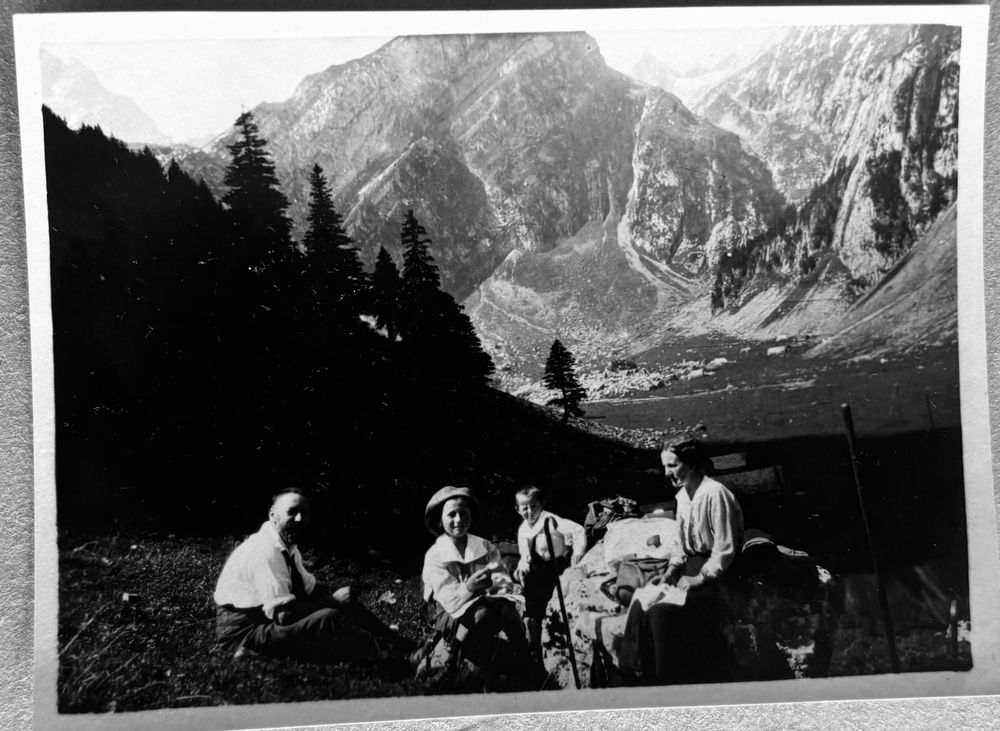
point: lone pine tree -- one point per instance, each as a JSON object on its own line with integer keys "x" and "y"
{"x": 560, "y": 376}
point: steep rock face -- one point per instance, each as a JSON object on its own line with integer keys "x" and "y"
{"x": 913, "y": 307}
{"x": 696, "y": 189}
{"x": 551, "y": 135}
{"x": 797, "y": 103}
{"x": 860, "y": 126}
{"x": 614, "y": 289}
{"x": 499, "y": 142}
{"x": 453, "y": 205}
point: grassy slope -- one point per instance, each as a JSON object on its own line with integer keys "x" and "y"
{"x": 159, "y": 651}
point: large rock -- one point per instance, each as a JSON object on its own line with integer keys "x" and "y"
{"x": 782, "y": 631}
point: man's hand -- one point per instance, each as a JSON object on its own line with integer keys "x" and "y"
{"x": 519, "y": 575}
{"x": 342, "y": 595}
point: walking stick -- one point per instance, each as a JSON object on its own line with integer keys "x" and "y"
{"x": 562, "y": 608}
{"x": 890, "y": 634}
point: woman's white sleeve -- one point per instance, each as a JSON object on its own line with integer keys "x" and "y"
{"x": 722, "y": 515}
{"x": 447, "y": 589}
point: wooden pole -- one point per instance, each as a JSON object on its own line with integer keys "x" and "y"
{"x": 562, "y": 608}
{"x": 953, "y": 618}
{"x": 895, "y": 398}
{"x": 890, "y": 634}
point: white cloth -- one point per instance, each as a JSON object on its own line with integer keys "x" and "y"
{"x": 709, "y": 523}
{"x": 651, "y": 594}
{"x": 445, "y": 571}
{"x": 629, "y": 536}
{"x": 565, "y": 534}
{"x": 256, "y": 574}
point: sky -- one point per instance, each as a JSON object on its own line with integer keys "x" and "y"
{"x": 195, "y": 89}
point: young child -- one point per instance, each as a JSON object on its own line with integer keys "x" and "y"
{"x": 460, "y": 571}
{"x": 538, "y": 569}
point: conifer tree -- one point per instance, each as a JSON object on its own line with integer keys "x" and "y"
{"x": 420, "y": 273}
{"x": 438, "y": 332}
{"x": 337, "y": 275}
{"x": 386, "y": 285}
{"x": 560, "y": 376}
{"x": 262, "y": 231}
{"x": 258, "y": 275}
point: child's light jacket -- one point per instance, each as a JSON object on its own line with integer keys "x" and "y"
{"x": 445, "y": 571}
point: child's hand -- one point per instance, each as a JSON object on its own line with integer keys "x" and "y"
{"x": 342, "y": 595}
{"x": 519, "y": 575}
{"x": 479, "y": 581}
{"x": 575, "y": 559}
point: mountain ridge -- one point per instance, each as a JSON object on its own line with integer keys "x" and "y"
{"x": 75, "y": 93}
{"x": 526, "y": 157}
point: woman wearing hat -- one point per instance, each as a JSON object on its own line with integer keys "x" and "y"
{"x": 460, "y": 571}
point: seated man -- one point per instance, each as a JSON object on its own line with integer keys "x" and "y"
{"x": 269, "y": 603}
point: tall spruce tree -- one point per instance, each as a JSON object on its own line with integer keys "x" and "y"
{"x": 261, "y": 230}
{"x": 437, "y": 332}
{"x": 420, "y": 273}
{"x": 259, "y": 275}
{"x": 385, "y": 292}
{"x": 335, "y": 269}
{"x": 560, "y": 375}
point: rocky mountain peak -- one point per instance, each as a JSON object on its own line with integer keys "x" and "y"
{"x": 565, "y": 199}
{"x": 74, "y": 92}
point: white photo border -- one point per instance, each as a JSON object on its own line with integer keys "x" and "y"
{"x": 31, "y": 31}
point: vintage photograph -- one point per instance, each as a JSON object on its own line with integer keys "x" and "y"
{"x": 444, "y": 363}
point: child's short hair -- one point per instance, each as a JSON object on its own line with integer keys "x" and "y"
{"x": 528, "y": 492}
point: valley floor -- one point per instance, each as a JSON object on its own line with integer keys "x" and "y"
{"x": 753, "y": 397}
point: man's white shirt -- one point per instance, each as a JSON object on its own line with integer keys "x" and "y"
{"x": 257, "y": 575}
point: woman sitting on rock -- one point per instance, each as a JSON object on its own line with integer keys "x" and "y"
{"x": 671, "y": 643}
{"x": 460, "y": 574}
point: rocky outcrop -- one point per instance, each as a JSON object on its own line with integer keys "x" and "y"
{"x": 912, "y": 308}
{"x": 613, "y": 289}
{"x": 858, "y": 124}
{"x": 696, "y": 190}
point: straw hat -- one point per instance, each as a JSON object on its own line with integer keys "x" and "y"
{"x": 432, "y": 513}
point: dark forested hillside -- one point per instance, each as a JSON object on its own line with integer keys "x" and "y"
{"x": 204, "y": 359}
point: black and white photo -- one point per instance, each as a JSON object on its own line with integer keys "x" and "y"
{"x": 517, "y": 361}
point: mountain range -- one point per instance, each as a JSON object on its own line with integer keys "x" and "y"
{"x": 77, "y": 94}
{"x": 566, "y": 199}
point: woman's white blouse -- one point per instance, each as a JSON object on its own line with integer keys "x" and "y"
{"x": 709, "y": 524}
